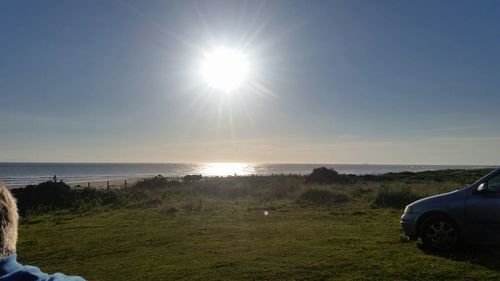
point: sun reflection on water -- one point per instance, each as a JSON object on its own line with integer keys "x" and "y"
{"x": 227, "y": 169}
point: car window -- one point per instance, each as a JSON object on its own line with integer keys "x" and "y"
{"x": 494, "y": 183}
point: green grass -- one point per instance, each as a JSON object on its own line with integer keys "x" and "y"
{"x": 220, "y": 233}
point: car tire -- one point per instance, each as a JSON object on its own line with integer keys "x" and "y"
{"x": 440, "y": 233}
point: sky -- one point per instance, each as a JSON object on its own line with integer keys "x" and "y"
{"x": 358, "y": 81}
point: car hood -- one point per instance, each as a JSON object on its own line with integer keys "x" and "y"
{"x": 441, "y": 200}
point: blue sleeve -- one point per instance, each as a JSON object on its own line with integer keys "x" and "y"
{"x": 32, "y": 273}
{"x": 62, "y": 277}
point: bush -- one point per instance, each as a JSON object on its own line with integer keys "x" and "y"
{"x": 358, "y": 192}
{"x": 394, "y": 198}
{"x": 326, "y": 176}
{"x": 171, "y": 211}
{"x": 156, "y": 182}
{"x": 193, "y": 206}
{"x": 321, "y": 197}
{"x": 192, "y": 178}
{"x": 51, "y": 194}
{"x": 89, "y": 198}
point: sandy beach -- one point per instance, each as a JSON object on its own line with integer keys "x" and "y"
{"x": 99, "y": 184}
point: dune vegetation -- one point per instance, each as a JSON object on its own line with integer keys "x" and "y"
{"x": 325, "y": 226}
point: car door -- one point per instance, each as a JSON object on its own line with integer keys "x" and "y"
{"x": 482, "y": 211}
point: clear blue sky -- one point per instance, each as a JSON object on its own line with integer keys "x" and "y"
{"x": 334, "y": 81}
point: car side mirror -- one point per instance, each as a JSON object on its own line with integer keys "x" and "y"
{"x": 483, "y": 187}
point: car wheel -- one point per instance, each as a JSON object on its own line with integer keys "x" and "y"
{"x": 440, "y": 233}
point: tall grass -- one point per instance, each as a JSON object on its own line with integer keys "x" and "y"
{"x": 395, "y": 198}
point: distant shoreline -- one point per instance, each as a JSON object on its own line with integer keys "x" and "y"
{"x": 17, "y": 174}
{"x": 99, "y": 184}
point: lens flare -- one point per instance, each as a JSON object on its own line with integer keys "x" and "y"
{"x": 225, "y": 69}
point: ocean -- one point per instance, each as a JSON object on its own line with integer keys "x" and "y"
{"x": 20, "y": 174}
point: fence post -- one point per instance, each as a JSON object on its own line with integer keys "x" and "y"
{"x": 88, "y": 184}
{"x": 107, "y": 185}
{"x": 125, "y": 184}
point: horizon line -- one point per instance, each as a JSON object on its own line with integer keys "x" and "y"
{"x": 239, "y": 162}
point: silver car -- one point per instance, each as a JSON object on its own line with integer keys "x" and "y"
{"x": 470, "y": 214}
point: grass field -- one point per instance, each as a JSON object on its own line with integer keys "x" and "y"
{"x": 216, "y": 230}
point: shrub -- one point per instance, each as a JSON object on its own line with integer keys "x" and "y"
{"x": 88, "y": 198}
{"x": 193, "y": 206}
{"x": 358, "y": 192}
{"x": 171, "y": 211}
{"x": 156, "y": 182}
{"x": 55, "y": 194}
{"x": 394, "y": 198}
{"x": 46, "y": 195}
{"x": 321, "y": 197}
{"x": 326, "y": 176}
{"x": 192, "y": 178}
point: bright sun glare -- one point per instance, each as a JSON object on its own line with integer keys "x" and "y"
{"x": 226, "y": 169}
{"x": 225, "y": 69}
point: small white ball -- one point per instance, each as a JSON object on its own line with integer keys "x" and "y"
{"x": 266, "y": 213}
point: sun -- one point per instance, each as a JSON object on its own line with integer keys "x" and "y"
{"x": 225, "y": 69}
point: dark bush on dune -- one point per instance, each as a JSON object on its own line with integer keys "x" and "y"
{"x": 192, "y": 178}
{"x": 53, "y": 194}
{"x": 326, "y": 176}
{"x": 321, "y": 197}
{"x": 50, "y": 194}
